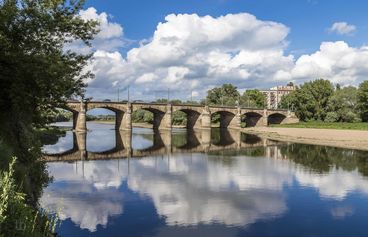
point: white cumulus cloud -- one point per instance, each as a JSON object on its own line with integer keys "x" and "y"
{"x": 191, "y": 52}
{"x": 188, "y": 52}
{"x": 336, "y": 61}
{"x": 342, "y": 28}
{"x": 109, "y": 37}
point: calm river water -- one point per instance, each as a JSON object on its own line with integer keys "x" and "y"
{"x": 216, "y": 183}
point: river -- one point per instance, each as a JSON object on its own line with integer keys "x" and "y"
{"x": 212, "y": 183}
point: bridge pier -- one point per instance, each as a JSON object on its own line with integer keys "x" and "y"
{"x": 125, "y": 118}
{"x": 205, "y": 139}
{"x": 81, "y": 137}
{"x": 263, "y": 121}
{"x": 206, "y": 118}
{"x": 81, "y": 120}
{"x": 290, "y": 118}
{"x": 165, "y": 122}
{"x": 235, "y": 123}
{"x": 166, "y": 138}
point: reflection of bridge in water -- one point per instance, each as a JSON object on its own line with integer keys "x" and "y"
{"x": 196, "y": 142}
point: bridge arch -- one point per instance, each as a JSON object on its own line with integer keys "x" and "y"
{"x": 276, "y": 118}
{"x": 225, "y": 117}
{"x": 158, "y": 115}
{"x": 72, "y": 110}
{"x": 104, "y": 114}
{"x": 119, "y": 110}
{"x": 192, "y": 117}
{"x": 251, "y": 119}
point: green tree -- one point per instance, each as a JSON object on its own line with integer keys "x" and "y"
{"x": 37, "y": 74}
{"x": 138, "y": 115}
{"x": 344, "y": 102}
{"x": 179, "y": 118}
{"x": 176, "y": 102}
{"x": 162, "y": 100}
{"x": 253, "y": 98}
{"x": 226, "y": 95}
{"x": 363, "y": 100}
{"x": 148, "y": 117}
{"x": 310, "y": 101}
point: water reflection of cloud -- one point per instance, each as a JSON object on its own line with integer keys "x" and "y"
{"x": 87, "y": 196}
{"x": 63, "y": 144}
{"x": 342, "y": 212}
{"x": 189, "y": 189}
{"x": 336, "y": 184}
{"x": 190, "y": 192}
{"x": 100, "y": 140}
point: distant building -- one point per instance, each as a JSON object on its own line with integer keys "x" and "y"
{"x": 274, "y": 95}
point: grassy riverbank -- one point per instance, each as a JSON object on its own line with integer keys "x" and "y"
{"x": 325, "y": 125}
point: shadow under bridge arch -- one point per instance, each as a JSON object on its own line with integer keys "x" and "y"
{"x": 223, "y": 118}
{"x": 252, "y": 119}
{"x": 156, "y": 116}
{"x": 276, "y": 118}
{"x": 186, "y": 116}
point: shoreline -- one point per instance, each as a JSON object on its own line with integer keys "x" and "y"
{"x": 349, "y": 139}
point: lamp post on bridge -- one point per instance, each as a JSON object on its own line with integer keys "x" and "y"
{"x": 128, "y": 94}
{"x": 118, "y": 93}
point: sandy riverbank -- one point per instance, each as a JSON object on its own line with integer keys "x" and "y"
{"x": 353, "y": 139}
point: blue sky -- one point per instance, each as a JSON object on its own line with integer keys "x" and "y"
{"x": 308, "y": 19}
{"x": 304, "y": 36}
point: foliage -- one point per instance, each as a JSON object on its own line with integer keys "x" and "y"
{"x": 310, "y": 100}
{"x": 331, "y": 117}
{"x": 50, "y": 135}
{"x": 253, "y": 99}
{"x": 100, "y": 117}
{"x": 148, "y": 117}
{"x": 17, "y": 218}
{"x": 179, "y": 118}
{"x": 363, "y": 100}
{"x": 344, "y": 104}
{"x": 163, "y": 101}
{"x": 215, "y": 118}
{"x": 58, "y": 115}
{"x": 138, "y": 115}
{"x": 225, "y": 95}
{"x": 142, "y": 116}
{"x": 37, "y": 74}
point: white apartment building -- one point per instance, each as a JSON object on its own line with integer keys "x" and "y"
{"x": 274, "y": 95}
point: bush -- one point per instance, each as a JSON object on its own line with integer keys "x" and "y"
{"x": 331, "y": 117}
{"x": 17, "y": 218}
{"x": 351, "y": 117}
{"x": 148, "y": 117}
{"x": 179, "y": 118}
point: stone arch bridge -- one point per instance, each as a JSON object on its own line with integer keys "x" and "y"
{"x": 198, "y": 116}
